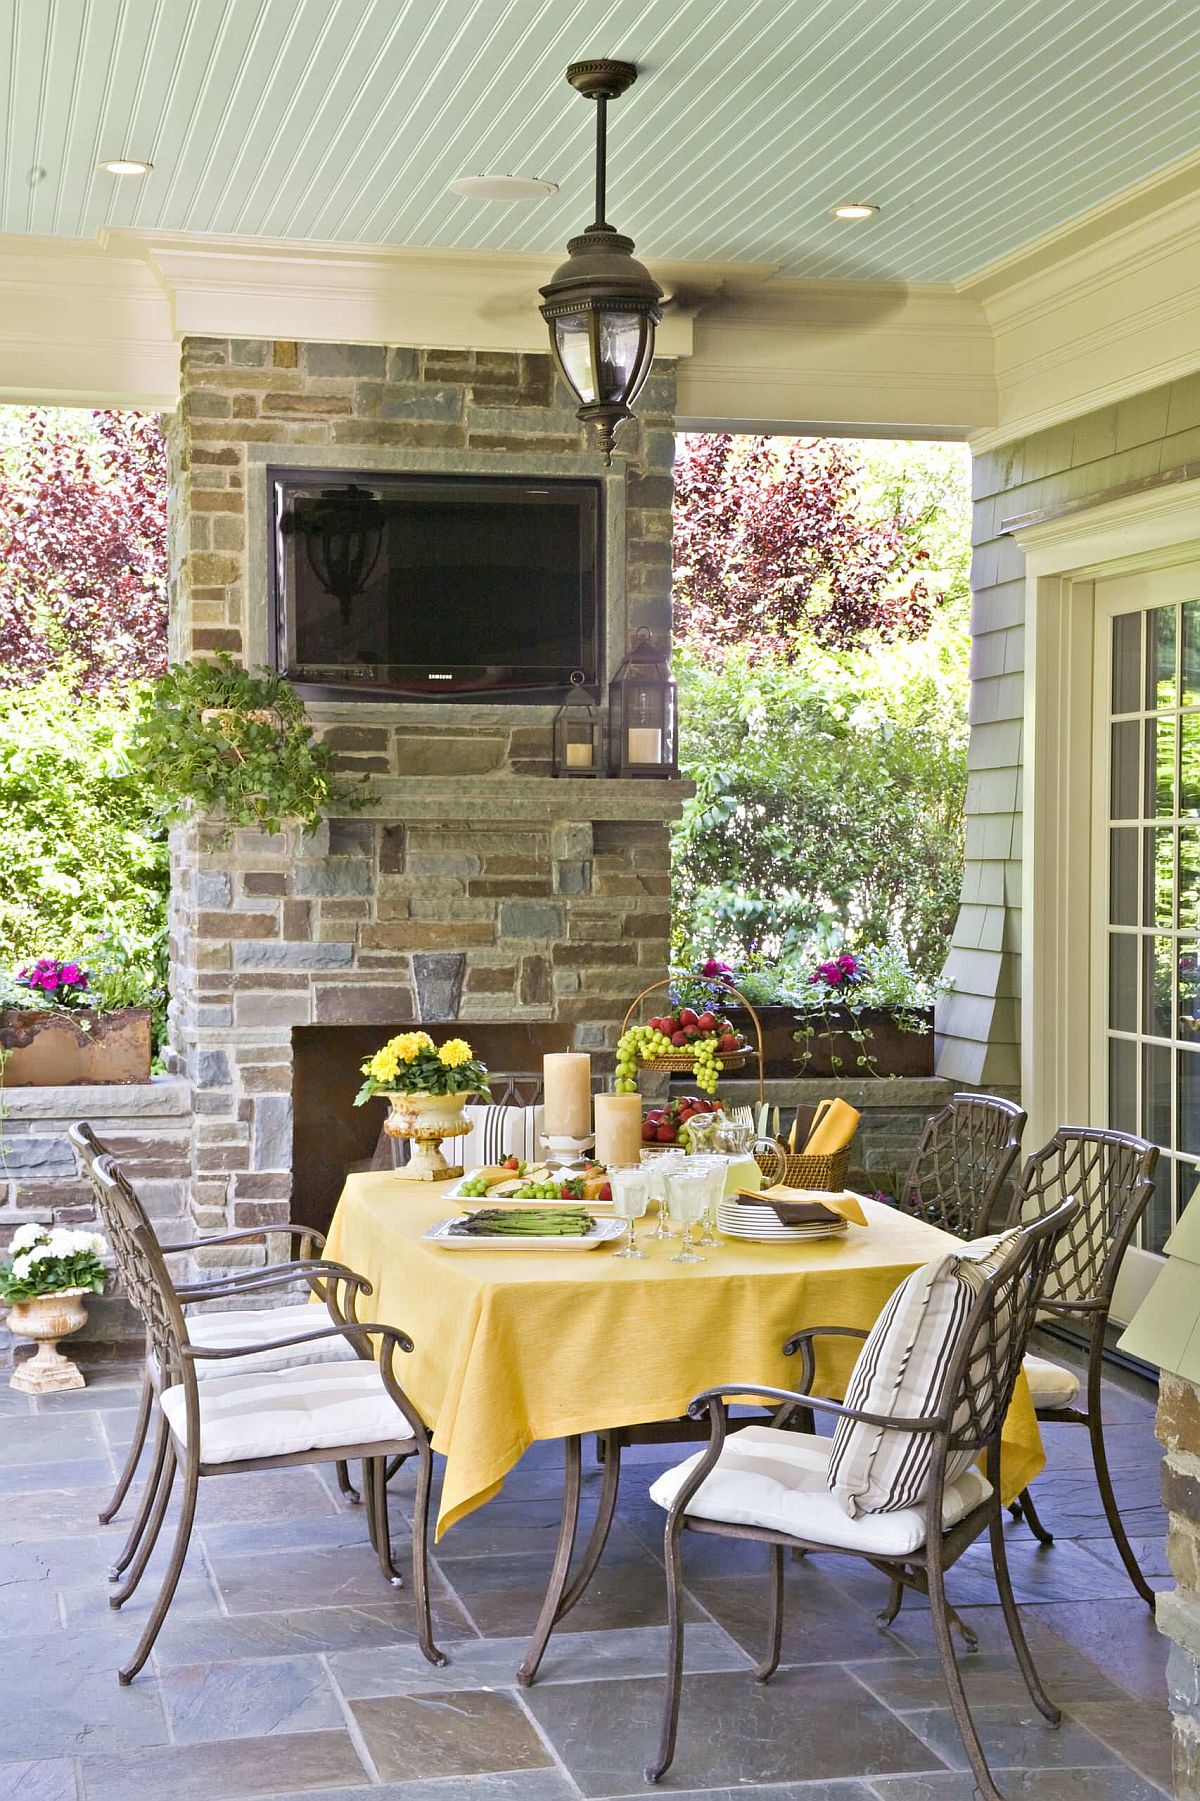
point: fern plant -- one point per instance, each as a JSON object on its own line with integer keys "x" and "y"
{"x": 216, "y": 739}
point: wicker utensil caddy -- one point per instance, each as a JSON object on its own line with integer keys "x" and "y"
{"x": 827, "y": 1173}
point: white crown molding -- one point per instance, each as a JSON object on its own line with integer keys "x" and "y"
{"x": 1104, "y": 308}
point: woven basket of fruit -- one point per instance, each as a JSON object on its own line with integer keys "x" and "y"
{"x": 685, "y": 1042}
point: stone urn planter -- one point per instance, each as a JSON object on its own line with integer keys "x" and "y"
{"x": 425, "y": 1120}
{"x": 63, "y": 1048}
{"x": 831, "y": 1051}
{"x": 47, "y": 1318}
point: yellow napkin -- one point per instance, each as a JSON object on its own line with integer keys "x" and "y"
{"x": 836, "y": 1125}
{"x": 845, "y": 1205}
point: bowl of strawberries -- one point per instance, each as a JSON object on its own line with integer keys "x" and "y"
{"x": 664, "y": 1126}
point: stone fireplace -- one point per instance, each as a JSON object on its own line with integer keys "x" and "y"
{"x": 481, "y": 890}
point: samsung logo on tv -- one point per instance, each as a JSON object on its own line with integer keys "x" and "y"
{"x": 433, "y": 676}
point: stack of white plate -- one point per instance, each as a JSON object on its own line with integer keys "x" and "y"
{"x": 763, "y": 1226}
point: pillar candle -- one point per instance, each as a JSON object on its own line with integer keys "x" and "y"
{"x": 567, "y": 1087}
{"x": 618, "y": 1128}
{"x": 579, "y": 756}
{"x": 645, "y": 744}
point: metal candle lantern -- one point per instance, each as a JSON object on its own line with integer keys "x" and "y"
{"x": 578, "y": 738}
{"x": 644, "y": 712}
{"x": 602, "y": 305}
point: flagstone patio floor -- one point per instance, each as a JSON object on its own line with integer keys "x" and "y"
{"x": 286, "y": 1668}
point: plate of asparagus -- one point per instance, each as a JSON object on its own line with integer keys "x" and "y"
{"x": 541, "y": 1228}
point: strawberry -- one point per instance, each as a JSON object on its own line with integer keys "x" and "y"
{"x": 707, "y": 1022}
{"x": 605, "y": 1193}
{"x": 727, "y": 1042}
{"x": 679, "y": 1040}
{"x": 687, "y": 1017}
{"x": 511, "y": 1163}
{"x": 665, "y": 1134}
{"x": 649, "y": 1131}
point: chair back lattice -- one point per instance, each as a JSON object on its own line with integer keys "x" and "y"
{"x": 89, "y": 1149}
{"x": 983, "y": 1373}
{"x": 962, "y": 1161}
{"x": 1112, "y": 1176}
{"x": 144, "y": 1270}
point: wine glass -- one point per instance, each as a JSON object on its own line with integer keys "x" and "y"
{"x": 630, "y": 1195}
{"x": 716, "y": 1171}
{"x": 656, "y": 1165}
{"x": 687, "y": 1193}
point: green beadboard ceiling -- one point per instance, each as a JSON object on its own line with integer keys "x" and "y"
{"x": 976, "y": 125}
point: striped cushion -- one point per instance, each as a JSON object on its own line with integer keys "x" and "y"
{"x": 323, "y": 1406}
{"x": 257, "y": 1325}
{"x": 500, "y": 1132}
{"x": 899, "y": 1372}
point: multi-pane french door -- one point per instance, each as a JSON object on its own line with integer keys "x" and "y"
{"x": 1146, "y": 876}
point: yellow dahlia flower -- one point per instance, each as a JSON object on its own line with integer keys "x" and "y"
{"x": 409, "y": 1045}
{"x": 455, "y": 1052}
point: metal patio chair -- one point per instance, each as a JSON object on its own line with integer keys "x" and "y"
{"x": 236, "y": 1326}
{"x": 961, "y": 1163}
{"x": 968, "y": 1416}
{"x": 1112, "y": 1176}
{"x": 314, "y": 1413}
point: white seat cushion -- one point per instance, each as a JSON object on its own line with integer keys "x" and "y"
{"x": 1049, "y": 1383}
{"x": 320, "y": 1406}
{"x": 780, "y": 1481}
{"x": 260, "y": 1325}
{"x": 899, "y": 1374}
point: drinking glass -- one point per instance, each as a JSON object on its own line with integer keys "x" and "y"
{"x": 716, "y": 1171}
{"x": 631, "y": 1193}
{"x": 656, "y": 1165}
{"x": 687, "y": 1193}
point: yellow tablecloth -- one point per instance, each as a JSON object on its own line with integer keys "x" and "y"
{"x": 513, "y": 1346}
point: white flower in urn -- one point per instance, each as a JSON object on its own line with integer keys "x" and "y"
{"x": 51, "y": 1261}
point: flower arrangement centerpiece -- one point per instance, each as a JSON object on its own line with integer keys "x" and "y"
{"x": 427, "y": 1086}
{"x": 43, "y": 1281}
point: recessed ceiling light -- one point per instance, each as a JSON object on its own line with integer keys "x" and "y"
{"x": 127, "y": 165}
{"x": 502, "y": 187}
{"x": 855, "y": 209}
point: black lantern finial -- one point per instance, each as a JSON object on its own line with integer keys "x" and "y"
{"x": 602, "y": 305}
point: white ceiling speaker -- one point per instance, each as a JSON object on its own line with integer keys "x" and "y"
{"x": 502, "y": 187}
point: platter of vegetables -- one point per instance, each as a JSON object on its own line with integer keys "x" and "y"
{"x": 514, "y": 1180}
{"x": 562, "y": 1228}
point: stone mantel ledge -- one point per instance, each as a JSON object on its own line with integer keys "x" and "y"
{"x": 162, "y": 1097}
{"x": 486, "y": 799}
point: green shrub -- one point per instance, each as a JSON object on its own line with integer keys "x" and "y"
{"x": 83, "y": 856}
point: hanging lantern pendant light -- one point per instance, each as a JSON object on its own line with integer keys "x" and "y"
{"x": 602, "y": 305}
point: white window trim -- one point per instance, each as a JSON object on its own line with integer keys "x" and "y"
{"x": 1063, "y": 559}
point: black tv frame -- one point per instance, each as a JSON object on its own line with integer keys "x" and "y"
{"x": 524, "y": 688}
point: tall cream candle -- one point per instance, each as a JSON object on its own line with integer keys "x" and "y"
{"x": 618, "y": 1128}
{"x": 567, "y": 1094}
{"x": 645, "y": 744}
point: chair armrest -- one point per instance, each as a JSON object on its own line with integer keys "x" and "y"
{"x": 277, "y": 1275}
{"x": 802, "y": 1342}
{"x": 316, "y": 1239}
{"x": 714, "y": 1398}
{"x": 1095, "y": 1304}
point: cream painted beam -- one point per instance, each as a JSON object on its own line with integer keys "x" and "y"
{"x": 854, "y": 356}
{"x": 83, "y": 326}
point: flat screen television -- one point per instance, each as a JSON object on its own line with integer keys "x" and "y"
{"x": 441, "y": 587}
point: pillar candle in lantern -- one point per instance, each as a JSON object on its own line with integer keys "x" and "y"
{"x": 618, "y": 1128}
{"x": 567, "y": 1085}
{"x": 645, "y": 744}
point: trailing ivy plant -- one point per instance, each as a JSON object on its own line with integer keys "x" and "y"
{"x": 214, "y": 738}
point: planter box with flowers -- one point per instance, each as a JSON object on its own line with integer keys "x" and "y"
{"x": 43, "y": 1282}
{"x": 62, "y": 1024}
{"x": 849, "y": 1013}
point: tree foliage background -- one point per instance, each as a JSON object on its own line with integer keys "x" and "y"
{"x": 83, "y": 616}
{"x": 822, "y": 621}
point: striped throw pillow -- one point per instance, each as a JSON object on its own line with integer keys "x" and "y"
{"x": 503, "y": 1131}
{"x": 899, "y": 1372}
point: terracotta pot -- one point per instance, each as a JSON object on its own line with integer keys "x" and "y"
{"x": 62, "y": 1048}
{"x": 46, "y": 1319}
{"x": 891, "y": 1052}
{"x": 425, "y": 1119}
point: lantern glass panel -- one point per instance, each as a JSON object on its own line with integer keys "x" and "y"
{"x": 573, "y": 340}
{"x": 620, "y": 343}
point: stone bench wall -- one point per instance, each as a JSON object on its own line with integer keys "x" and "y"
{"x": 148, "y": 1126}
